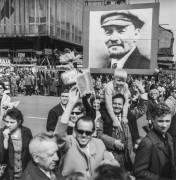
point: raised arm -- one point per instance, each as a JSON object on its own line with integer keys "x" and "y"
{"x": 61, "y": 127}
{"x": 141, "y": 108}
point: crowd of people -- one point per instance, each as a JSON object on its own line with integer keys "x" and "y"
{"x": 95, "y": 136}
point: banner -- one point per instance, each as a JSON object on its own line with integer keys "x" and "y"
{"x": 84, "y": 83}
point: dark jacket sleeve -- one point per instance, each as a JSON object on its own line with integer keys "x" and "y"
{"x": 90, "y": 111}
{"x": 141, "y": 108}
{"x": 133, "y": 115}
{"x": 51, "y": 121}
{"x": 3, "y": 151}
{"x": 53, "y": 117}
{"x": 28, "y": 158}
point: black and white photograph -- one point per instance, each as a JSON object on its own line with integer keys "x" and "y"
{"x": 87, "y": 90}
{"x": 120, "y": 38}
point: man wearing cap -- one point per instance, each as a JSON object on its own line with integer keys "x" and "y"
{"x": 56, "y": 112}
{"x": 122, "y": 30}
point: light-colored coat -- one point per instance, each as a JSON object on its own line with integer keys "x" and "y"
{"x": 77, "y": 159}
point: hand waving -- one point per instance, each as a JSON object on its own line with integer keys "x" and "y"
{"x": 74, "y": 95}
{"x": 140, "y": 86}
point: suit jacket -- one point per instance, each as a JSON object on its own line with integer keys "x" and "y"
{"x": 7, "y": 156}
{"x": 135, "y": 61}
{"x": 33, "y": 172}
{"x": 153, "y": 159}
{"x": 75, "y": 158}
{"x": 53, "y": 116}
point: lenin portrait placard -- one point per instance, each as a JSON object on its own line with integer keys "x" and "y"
{"x": 121, "y": 37}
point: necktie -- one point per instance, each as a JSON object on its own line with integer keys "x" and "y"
{"x": 114, "y": 65}
{"x": 53, "y": 176}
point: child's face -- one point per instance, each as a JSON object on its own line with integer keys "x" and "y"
{"x": 119, "y": 82}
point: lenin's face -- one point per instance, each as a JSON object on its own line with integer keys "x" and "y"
{"x": 120, "y": 39}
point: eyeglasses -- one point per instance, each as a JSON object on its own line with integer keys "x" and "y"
{"x": 77, "y": 113}
{"x": 87, "y": 133}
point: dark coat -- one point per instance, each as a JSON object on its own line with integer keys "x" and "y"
{"x": 7, "y": 156}
{"x": 53, "y": 116}
{"x": 152, "y": 158}
{"x": 135, "y": 61}
{"x": 33, "y": 172}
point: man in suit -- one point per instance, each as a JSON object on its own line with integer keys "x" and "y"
{"x": 44, "y": 152}
{"x": 81, "y": 152}
{"x": 57, "y": 111}
{"x": 122, "y": 31}
{"x": 155, "y": 156}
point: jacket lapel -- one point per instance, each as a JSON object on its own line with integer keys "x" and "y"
{"x": 92, "y": 149}
{"x": 157, "y": 142}
{"x": 89, "y": 156}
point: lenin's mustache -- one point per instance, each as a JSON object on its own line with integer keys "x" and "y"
{"x": 113, "y": 43}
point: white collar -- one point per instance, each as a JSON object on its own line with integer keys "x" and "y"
{"x": 121, "y": 62}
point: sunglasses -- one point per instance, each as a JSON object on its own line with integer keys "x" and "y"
{"x": 77, "y": 113}
{"x": 87, "y": 133}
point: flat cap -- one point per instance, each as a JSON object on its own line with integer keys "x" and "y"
{"x": 120, "y": 18}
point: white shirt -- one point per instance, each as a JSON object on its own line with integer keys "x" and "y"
{"x": 120, "y": 63}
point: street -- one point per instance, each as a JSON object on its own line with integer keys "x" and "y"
{"x": 35, "y": 109}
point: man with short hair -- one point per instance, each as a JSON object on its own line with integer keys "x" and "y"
{"x": 122, "y": 31}
{"x": 44, "y": 151}
{"x": 57, "y": 111}
{"x": 81, "y": 152}
{"x": 155, "y": 156}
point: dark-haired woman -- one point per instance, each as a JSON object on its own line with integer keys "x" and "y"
{"x": 14, "y": 141}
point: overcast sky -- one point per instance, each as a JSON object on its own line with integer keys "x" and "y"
{"x": 167, "y": 16}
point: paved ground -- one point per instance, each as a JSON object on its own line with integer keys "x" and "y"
{"x": 35, "y": 110}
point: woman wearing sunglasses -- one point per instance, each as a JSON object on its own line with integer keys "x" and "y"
{"x": 77, "y": 112}
{"x": 14, "y": 141}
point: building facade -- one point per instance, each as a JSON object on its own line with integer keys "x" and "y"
{"x": 38, "y": 24}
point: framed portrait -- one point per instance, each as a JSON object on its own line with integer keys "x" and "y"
{"x": 121, "y": 36}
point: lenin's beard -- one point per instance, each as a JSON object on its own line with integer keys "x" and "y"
{"x": 116, "y": 50}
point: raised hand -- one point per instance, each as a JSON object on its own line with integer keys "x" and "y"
{"x": 73, "y": 95}
{"x": 140, "y": 86}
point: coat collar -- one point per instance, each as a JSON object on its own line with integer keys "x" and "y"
{"x": 24, "y": 134}
{"x": 92, "y": 147}
{"x": 157, "y": 141}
